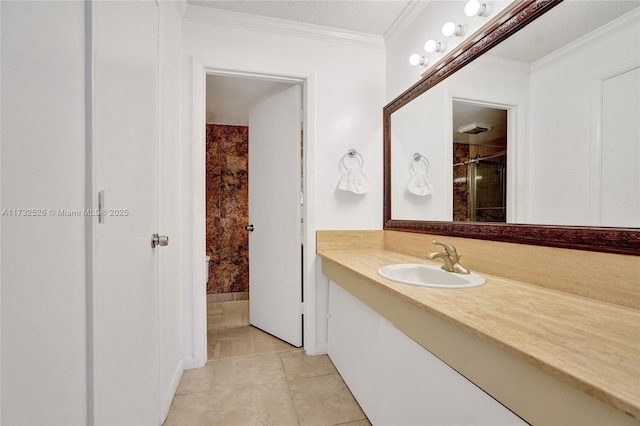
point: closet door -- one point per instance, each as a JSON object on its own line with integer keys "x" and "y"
{"x": 125, "y": 358}
{"x": 620, "y": 150}
{"x": 275, "y": 262}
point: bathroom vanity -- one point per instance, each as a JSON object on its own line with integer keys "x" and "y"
{"x": 495, "y": 354}
{"x": 398, "y": 382}
{"x": 553, "y": 335}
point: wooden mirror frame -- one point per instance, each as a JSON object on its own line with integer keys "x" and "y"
{"x": 611, "y": 240}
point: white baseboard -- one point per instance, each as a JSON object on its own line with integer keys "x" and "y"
{"x": 190, "y": 362}
{"x": 318, "y": 349}
{"x": 173, "y": 387}
{"x": 227, "y": 297}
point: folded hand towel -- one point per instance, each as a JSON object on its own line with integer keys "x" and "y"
{"x": 354, "y": 180}
{"x": 419, "y": 184}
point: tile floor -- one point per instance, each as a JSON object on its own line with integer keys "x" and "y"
{"x": 253, "y": 378}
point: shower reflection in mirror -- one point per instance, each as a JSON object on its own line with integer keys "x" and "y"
{"x": 479, "y": 163}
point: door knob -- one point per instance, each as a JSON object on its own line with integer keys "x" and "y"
{"x": 249, "y": 228}
{"x": 159, "y": 240}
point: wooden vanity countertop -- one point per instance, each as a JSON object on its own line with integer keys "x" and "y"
{"x": 592, "y": 345}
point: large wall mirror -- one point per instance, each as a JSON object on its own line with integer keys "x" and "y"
{"x": 528, "y": 132}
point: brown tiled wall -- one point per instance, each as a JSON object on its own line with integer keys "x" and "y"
{"x": 227, "y": 193}
{"x": 460, "y": 186}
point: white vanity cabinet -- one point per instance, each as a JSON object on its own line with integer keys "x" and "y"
{"x": 395, "y": 380}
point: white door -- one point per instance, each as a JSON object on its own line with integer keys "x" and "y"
{"x": 620, "y": 150}
{"x": 125, "y": 360}
{"x": 275, "y": 263}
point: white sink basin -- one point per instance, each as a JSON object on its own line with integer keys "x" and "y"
{"x": 429, "y": 276}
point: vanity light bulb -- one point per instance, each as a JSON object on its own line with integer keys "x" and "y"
{"x": 472, "y": 7}
{"x": 475, "y": 8}
{"x": 450, "y": 28}
{"x": 430, "y": 46}
{"x": 416, "y": 59}
{"x": 433, "y": 46}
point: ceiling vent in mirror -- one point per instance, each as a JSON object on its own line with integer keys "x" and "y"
{"x": 474, "y": 128}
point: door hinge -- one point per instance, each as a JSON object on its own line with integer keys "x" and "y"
{"x": 302, "y": 308}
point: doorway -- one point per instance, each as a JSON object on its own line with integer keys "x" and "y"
{"x": 227, "y": 211}
{"x": 230, "y": 104}
{"x": 479, "y": 162}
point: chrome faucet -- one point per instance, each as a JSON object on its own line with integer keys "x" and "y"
{"x": 451, "y": 258}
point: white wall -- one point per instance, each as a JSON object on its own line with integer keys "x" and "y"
{"x": 490, "y": 81}
{"x": 432, "y": 139}
{"x": 44, "y": 326}
{"x": 417, "y": 128}
{"x": 345, "y": 96}
{"x": 566, "y": 123}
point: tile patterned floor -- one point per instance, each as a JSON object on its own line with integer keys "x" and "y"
{"x": 253, "y": 378}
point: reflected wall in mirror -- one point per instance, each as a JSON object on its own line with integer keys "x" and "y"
{"x": 570, "y": 100}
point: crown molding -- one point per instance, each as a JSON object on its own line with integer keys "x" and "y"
{"x": 608, "y": 30}
{"x": 182, "y": 7}
{"x": 405, "y": 19}
{"x": 227, "y": 18}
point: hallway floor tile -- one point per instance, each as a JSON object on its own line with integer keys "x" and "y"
{"x": 253, "y": 378}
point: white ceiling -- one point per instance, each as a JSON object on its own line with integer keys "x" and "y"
{"x": 565, "y": 23}
{"x": 545, "y": 35}
{"x": 568, "y": 21}
{"x": 466, "y": 113}
{"x": 372, "y": 17}
{"x": 228, "y": 99}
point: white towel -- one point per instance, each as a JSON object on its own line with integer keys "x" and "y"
{"x": 419, "y": 183}
{"x": 354, "y": 180}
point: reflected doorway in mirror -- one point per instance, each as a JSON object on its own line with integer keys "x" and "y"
{"x": 479, "y": 162}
